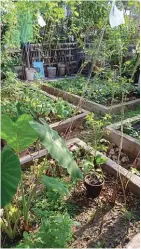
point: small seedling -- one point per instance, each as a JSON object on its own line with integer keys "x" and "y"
{"x": 100, "y": 244}
{"x": 128, "y": 215}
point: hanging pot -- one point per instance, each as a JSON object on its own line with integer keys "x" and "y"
{"x": 93, "y": 185}
{"x": 30, "y": 74}
{"x": 51, "y": 71}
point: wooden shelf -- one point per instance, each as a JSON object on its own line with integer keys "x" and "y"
{"x": 59, "y": 53}
{"x": 52, "y": 63}
{"x": 59, "y": 43}
{"x": 69, "y": 62}
{"x": 57, "y": 49}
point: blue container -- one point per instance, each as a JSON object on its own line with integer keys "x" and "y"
{"x": 38, "y": 66}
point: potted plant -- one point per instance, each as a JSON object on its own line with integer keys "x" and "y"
{"x": 94, "y": 177}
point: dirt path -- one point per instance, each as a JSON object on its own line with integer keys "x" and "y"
{"x": 104, "y": 225}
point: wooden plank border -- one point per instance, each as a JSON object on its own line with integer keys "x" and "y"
{"x": 87, "y": 104}
{"x": 133, "y": 181}
{"x": 73, "y": 122}
{"x": 130, "y": 145}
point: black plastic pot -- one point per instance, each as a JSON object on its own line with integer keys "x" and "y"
{"x": 93, "y": 190}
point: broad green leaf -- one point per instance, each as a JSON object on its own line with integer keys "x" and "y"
{"x": 54, "y": 185}
{"x": 100, "y": 159}
{"x": 10, "y": 175}
{"x": 19, "y": 135}
{"x": 57, "y": 148}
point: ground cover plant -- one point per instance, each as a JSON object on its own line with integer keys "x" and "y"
{"x": 21, "y": 99}
{"x": 99, "y": 90}
{"x": 132, "y": 129}
{"x": 127, "y": 114}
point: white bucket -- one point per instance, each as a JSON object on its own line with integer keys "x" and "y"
{"x": 30, "y": 74}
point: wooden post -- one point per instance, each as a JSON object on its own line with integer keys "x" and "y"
{"x": 139, "y": 82}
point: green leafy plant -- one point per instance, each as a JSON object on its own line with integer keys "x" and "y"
{"x": 10, "y": 223}
{"x": 135, "y": 171}
{"x": 25, "y": 100}
{"x": 100, "y": 244}
{"x": 91, "y": 166}
{"x": 18, "y": 135}
{"x": 55, "y": 232}
{"x": 132, "y": 130}
{"x": 97, "y": 126}
{"x": 100, "y": 91}
{"x": 54, "y": 185}
{"x": 128, "y": 215}
{"x": 56, "y": 147}
{"x": 19, "y": 138}
{"x": 11, "y": 175}
{"x": 128, "y": 114}
{"x": 98, "y": 159}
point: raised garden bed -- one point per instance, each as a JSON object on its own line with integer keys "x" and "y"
{"x": 127, "y": 161}
{"x": 98, "y": 218}
{"x": 88, "y": 104}
{"x": 114, "y": 168}
{"x": 111, "y": 150}
{"x": 61, "y": 115}
{"x": 130, "y": 144}
{"x": 110, "y": 166}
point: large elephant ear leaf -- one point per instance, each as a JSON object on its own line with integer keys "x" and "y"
{"x": 19, "y": 135}
{"x": 10, "y": 175}
{"x": 57, "y": 148}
